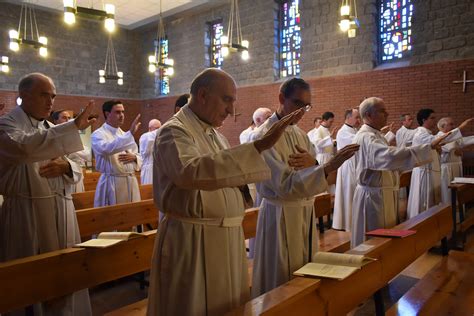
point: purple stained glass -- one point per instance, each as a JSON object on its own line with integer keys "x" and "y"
{"x": 290, "y": 38}
{"x": 395, "y": 28}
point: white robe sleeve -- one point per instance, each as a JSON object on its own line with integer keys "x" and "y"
{"x": 288, "y": 183}
{"x": 467, "y": 141}
{"x": 76, "y": 172}
{"x": 120, "y": 143}
{"x": 389, "y": 136}
{"x": 21, "y": 147}
{"x": 180, "y": 158}
{"x": 383, "y": 157}
{"x": 325, "y": 142}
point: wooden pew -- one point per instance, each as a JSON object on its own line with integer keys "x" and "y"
{"x": 446, "y": 290}
{"x": 91, "y": 179}
{"x": 86, "y": 199}
{"x": 308, "y": 296}
{"x": 38, "y": 278}
{"x": 461, "y": 194}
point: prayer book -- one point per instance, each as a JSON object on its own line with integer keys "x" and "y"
{"x": 394, "y": 233}
{"x": 333, "y": 265}
{"x": 463, "y": 180}
{"x": 108, "y": 239}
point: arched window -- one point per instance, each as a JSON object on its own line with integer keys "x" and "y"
{"x": 395, "y": 39}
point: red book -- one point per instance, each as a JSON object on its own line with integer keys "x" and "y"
{"x": 385, "y": 232}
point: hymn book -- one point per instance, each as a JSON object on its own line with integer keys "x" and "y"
{"x": 333, "y": 265}
{"x": 108, "y": 239}
{"x": 463, "y": 180}
{"x": 388, "y": 232}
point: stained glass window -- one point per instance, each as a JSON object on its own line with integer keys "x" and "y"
{"x": 216, "y": 31}
{"x": 164, "y": 80}
{"x": 395, "y": 28}
{"x": 290, "y": 38}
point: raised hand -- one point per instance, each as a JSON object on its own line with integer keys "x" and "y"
{"x": 387, "y": 128}
{"x": 135, "y": 125}
{"x": 86, "y": 118}
{"x": 437, "y": 143}
{"x": 302, "y": 159}
{"x": 277, "y": 129}
{"x": 340, "y": 157}
{"x": 333, "y": 132}
{"x": 465, "y": 123}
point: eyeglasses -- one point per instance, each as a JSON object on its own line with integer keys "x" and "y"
{"x": 301, "y": 104}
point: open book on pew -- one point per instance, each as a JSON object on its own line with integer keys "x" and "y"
{"x": 391, "y": 233}
{"x": 333, "y": 265}
{"x": 108, "y": 239}
{"x": 463, "y": 180}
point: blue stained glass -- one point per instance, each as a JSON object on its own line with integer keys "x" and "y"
{"x": 290, "y": 38}
{"x": 395, "y": 22}
{"x": 217, "y": 31}
{"x": 164, "y": 79}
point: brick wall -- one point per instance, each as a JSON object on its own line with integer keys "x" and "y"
{"x": 405, "y": 90}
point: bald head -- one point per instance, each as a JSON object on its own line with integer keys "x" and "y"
{"x": 260, "y": 115}
{"x": 446, "y": 124}
{"x": 213, "y": 93}
{"x": 37, "y": 92}
{"x": 154, "y": 124}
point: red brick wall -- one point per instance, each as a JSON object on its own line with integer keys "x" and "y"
{"x": 405, "y": 90}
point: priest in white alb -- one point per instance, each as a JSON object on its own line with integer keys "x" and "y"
{"x": 451, "y": 157}
{"x": 147, "y": 144}
{"x": 36, "y": 180}
{"x": 346, "y": 181}
{"x": 116, "y": 157}
{"x": 286, "y": 230}
{"x": 199, "y": 263}
{"x": 405, "y": 133}
{"x": 425, "y": 185}
{"x": 377, "y": 168}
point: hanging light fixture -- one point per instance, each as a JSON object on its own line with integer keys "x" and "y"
{"x": 4, "y": 65}
{"x": 28, "y": 32}
{"x": 227, "y": 43}
{"x": 110, "y": 71}
{"x": 349, "y": 22}
{"x": 158, "y": 60}
{"x": 108, "y": 14}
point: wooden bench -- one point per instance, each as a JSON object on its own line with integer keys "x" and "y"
{"x": 308, "y": 296}
{"x": 86, "y": 199}
{"x": 461, "y": 194}
{"x": 446, "y": 290}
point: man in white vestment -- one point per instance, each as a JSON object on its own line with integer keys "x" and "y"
{"x": 244, "y": 137}
{"x": 286, "y": 230}
{"x": 405, "y": 133}
{"x": 451, "y": 157}
{"x": 316, "y": 124}
{"x": 323, "y": 138}
{"x": 116, "y": 158}
{"x": 36, "y": 180}
{"x": 425, "y": 185}
{"x": 147, "y": 144}
{"x": 80, "y": 157}
{"x": 346, "y": 181}
{"x": 199, "y": 264}
{"x": 377, "y": 172}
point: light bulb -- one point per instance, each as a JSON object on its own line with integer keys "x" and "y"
{"x": 4, "y": 59}
{"x": 69, "y": 18}
{"x": 225, "y": 51}
{"x": 224, "y": 40}
{"x": 120, "y": 81}
{"x": 101, "y": 80}
{"x": 43, "y": 51}
{"x": 102, "y": 73}
{"x": 245, "y": 43}
{"x": 151, "y": 68}
{"x": 345, "y": 10}
{"x": 169, "y": 61}
{"x": 109, "y": 25}
{"x": 351, "y": 33}
{"x": 119, "y": 74}
{"x": 169, "y": 71}
{"x": 152, "y": 59}
{"x": 68, "y": 3}
{"x": 13, "y": 34}
{"x": 245, "y": 55}
{"x": 344, "y": 25}
{"x": 14, "y": 46}
{"x": 43, "y": 40}
{"x": 5, "y": 68}
{"x": 109, "y": 8}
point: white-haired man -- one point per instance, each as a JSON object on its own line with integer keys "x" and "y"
{"x": 451, "y": 157}
{"x": 199, "y": 265}
{"x": 36, "y": 180}
{"x": 376, "y": 170}
{"x": 346, "y": 182}
{"x": 147, "y": 144}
